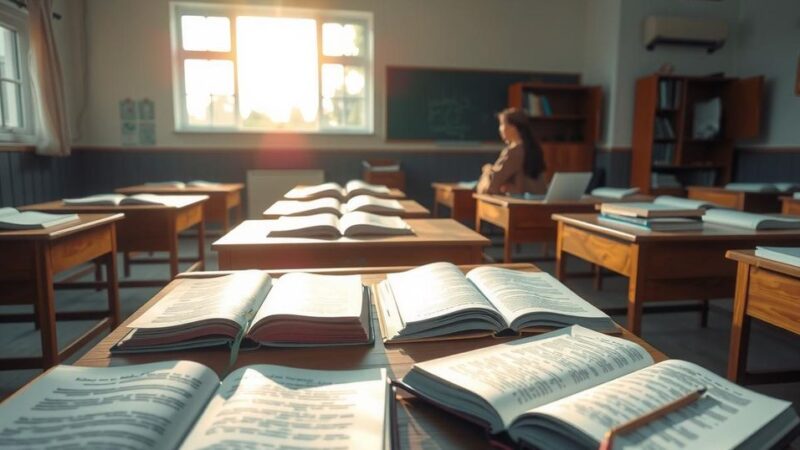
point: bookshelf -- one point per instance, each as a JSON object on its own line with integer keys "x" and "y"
{"x": 566, "y": 120}
{"x": 670, "y": 148}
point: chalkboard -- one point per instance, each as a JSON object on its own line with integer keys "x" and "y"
{"x": 451, "y": 104}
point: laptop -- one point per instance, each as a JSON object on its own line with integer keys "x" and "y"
{"x": 565, "y": 186}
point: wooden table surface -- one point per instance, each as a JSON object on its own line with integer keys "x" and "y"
{"x": 420, "y": 425}
{"x": 248, "y": 246}
{"x": 411, "y": 210}
{"x": 456, "y": 197}
{"x": 791, "y": 206}
{"x": 756, "y": 202}
{"x": 661, "y": 266}
{"x": 205, "y": 190}
{"x": 173, "y": 202}
{"x": 84, "y": 222}
{"x": 769, "y": 291}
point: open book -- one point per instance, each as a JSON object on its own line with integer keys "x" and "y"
{"x": 11, "y": 219}
{"x": 299, "y": 309}
{"x": 763, "y": 187}
{"x": 438, "y": 301}
{"x": 567, "y": 388}
{"x": 750, "y": 221}
{"x": 183, "y": 404}
{"x": 350, "y": 190}
{"x": 329, "y": 226}
{"x": 181, "y": 184}
{"x": 115, "y": 200}
{"x": 329, "y": 205}
{"x": 785, "y": 255}
{"x": 615, "y": 193}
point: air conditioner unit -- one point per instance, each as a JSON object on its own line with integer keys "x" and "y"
{"x": 710, "y": 34}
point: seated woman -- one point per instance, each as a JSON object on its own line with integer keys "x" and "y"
{"x": 520, "y": 167}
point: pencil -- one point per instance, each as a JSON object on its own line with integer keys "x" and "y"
{"x": 691, "y": 397}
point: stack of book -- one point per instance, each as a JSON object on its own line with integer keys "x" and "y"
{"x": 669, "y": 94}
{"x": 665, "y": 213}
{"x": 538, "y": 106}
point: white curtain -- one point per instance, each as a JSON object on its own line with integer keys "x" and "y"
{"x": 52, "y": 127}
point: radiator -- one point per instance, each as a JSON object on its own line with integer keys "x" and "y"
{"x": 265, "y": 187}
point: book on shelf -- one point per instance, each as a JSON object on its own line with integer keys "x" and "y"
{"x": 252, "y": 308}
{"x": 663, "y": 153}
{"x": 786, "y": 187}
{"x": 750, "y": 221}
{"x": 117, "y": 200}
{"x": 13, "y": 219}
{"x": 785, "y": 255}
{"x": 614, "y": 193}
{"x": 649, "y": 210}
{"x": 330, "y": 205}
{"x": 182, "y": 185}
{"x": 664, "y": 180}
{"x": 547, "y": 110}
{"x": 706, "y": 119}
{"x": 567, "y": 388}
{"x": 534, "y": 106}
{"x": 663, "y": 128}
{"x": 335, "y": 190}
{"x": 330, "y": 226}
{"x": 437, "y": 301}
{"x": 653, "y": 224}
{"x": 669, "y": 94}
{"x": 184, "y": 404}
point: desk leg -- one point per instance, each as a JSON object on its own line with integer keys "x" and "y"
{"x": 201, "y": 243}
{"x": 435, "y": 207}
{"x": 239, "y": 213}
{"x": 635, "y": 293}
{"x": 561, "y": 260}
{"x": 226, "y": 221}
{"x": 740, "y": 327}
{"x": 112, "y": 284}
{"x": 126, "y": 264}
{"x": 508, "y": 245}
{"x": 46, "y": 310}
{"x": 173, "y": 254}
{"x": 704, "y": 313}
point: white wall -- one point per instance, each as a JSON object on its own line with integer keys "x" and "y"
{"x": 769, "y": 44}
{"x": 600, "y": 56}
{"x": 129, "y": 56}
{"x": 634, "y": 61}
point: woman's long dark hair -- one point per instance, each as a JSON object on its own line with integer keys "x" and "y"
{"x": 534, "y": 158}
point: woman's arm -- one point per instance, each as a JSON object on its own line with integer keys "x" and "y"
{"x": 494, "y": 176}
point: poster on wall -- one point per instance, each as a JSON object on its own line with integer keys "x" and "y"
{"x": 137, "y": 122}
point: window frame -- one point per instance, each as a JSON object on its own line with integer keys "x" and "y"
{"x": 180, "y": 114}
{"x": 17, "y": 21}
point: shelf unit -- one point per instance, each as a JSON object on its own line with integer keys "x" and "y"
{"x": 671, "y": 100}
{"x": 568, "y": 135}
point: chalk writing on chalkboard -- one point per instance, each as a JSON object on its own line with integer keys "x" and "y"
{"x": 447, "y": 115}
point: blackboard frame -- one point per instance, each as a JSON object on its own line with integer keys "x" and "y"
{"x": 395, "y": 133}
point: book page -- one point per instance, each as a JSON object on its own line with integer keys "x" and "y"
{"x": 354, "y": 185}
{"x": 293, "y": 207}
{"x": 434, "y": 290}
{"x": 515, "y": 293}
{"x": 99, "y": 199}
{"x": 8, "y": 211}
{"x": 301, "y": 192}
{"x": 325, "y": 224}
{"x": 750, "y": 221}
{"x": 517, "y": 376}
{"x": 310, "y": 295}
{"x": 366, "y": 202}
{"x": 295, "y": 408}
{"x": 366, "y": 223}
{"x": 132, "y": 407}
{"x": 234, "y": 297}
{"x": 681, "y": 203}
{"x": 722, "y": 418}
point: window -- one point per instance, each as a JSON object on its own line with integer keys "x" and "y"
{"x": 272, "y": 69}
{"x": 15, "y": 110}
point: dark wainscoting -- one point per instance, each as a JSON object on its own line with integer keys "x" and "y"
{"x": 767, "y": 164}
{"x": 105, "y": 169}
{"x": 28, "y": 178}
{"x": 616, "y": 163}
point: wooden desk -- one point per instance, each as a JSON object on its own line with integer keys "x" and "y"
{"x": 420, "y": 425}
{"x": 222, "y": 198}
{"x": 30, "y": 260}
{"x": 148, "y": 228}
{"x": 661, "y": 266}
{"x": 411, "y": 210}
{"x": 791, "y": 206}
{"x": 248, "y": 247}
{"x": 757, "y": 202}
{"x": 394, "y": 193}
{"x": 524, "y": 220}
{"x": 769, "y": 291}
{"x": 457, "y": 198}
